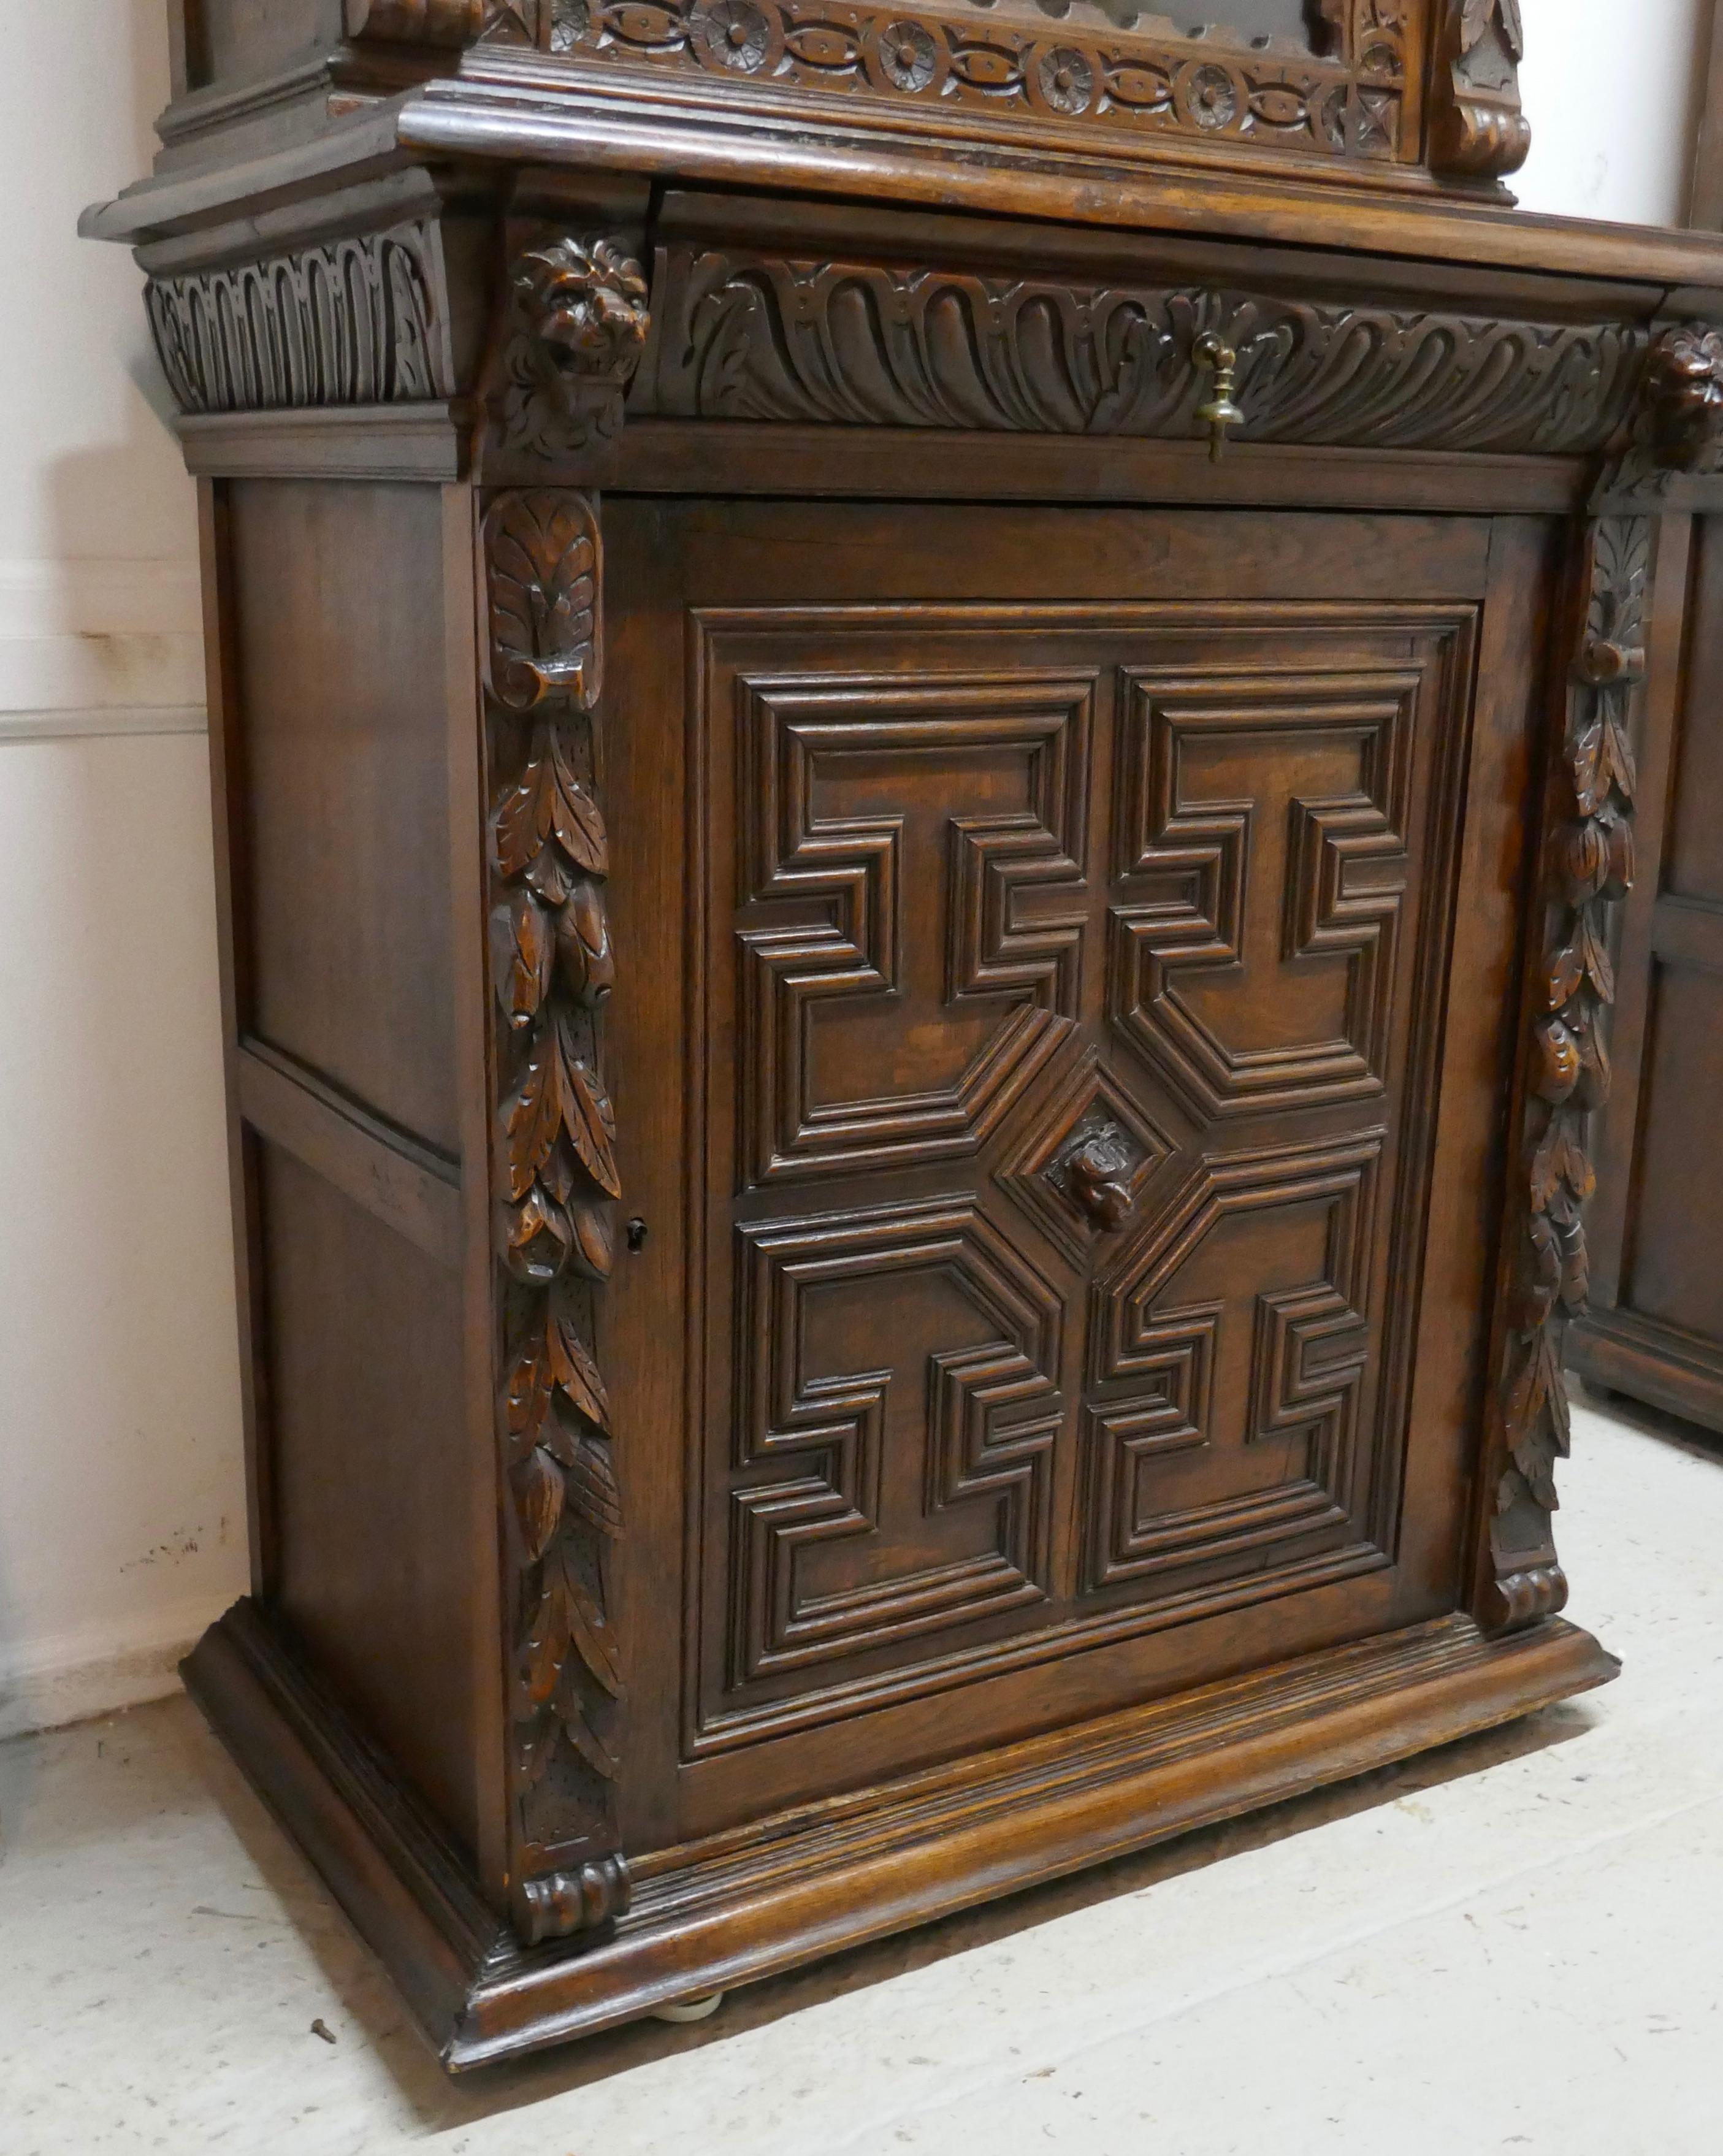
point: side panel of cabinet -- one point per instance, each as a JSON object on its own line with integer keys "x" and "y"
{"x": 974, "y": 845}
{"x": 1655, "y": 1331}
{"x": 342, "y": 873}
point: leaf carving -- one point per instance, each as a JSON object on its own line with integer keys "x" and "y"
{"x": 585, "y": 1738}
{"x": 558, "y": 1094}
{"x": 574, "y": 1370}
{"x": 555, "y": 1170}
{"x": 1566, "y": 971}
{"x": 1560, "y": 1164}
{"x": 543, "y": 559}
{"x": 592, "y": 1490}
{"x": 539, "y": 1493}
{"x": 1594, "y": 958}
{"x": 534, "y": 1116}
{"x": 523, "y": 953}
{"x": 584, "y": 945}
{"x": 592, "y": 1251}
{"x": 591, "y": 1635}
{"x": 548, "y": 800}
{"x": 591, "y": 1125}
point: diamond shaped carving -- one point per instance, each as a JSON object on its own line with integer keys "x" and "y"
{"x": 1091, "y": 1113}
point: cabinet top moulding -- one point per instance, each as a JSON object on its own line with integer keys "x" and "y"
{"x": 452, "y": 86}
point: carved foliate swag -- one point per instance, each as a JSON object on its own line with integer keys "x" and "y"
{"x": 556, "y": 1184}
{"x": 1589, "y": 849}
{"x": 576, "y": 332}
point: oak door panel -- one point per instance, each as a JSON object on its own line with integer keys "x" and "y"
{"x": 1063, "y": 1048}
{"x": 939, "y": 898}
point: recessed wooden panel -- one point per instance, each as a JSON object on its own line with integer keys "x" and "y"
{"x": 1694, "y": 862}
{"x": 1262, "y": 857}
{"x": 342, "y": 777}
{"x": 914, "y": 1493}
{"x": 914, "y": 908}
{"x": 1229, "y": 1357}
{"x": 1675, "y": 1278}
{"x": 1142, "y": 891}
{"x": 362, "y": 1367}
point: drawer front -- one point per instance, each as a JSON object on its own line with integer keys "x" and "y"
{"x": 1066, "y": 1032}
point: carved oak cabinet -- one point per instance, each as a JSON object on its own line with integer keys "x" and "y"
{"x": 924, "y": 734}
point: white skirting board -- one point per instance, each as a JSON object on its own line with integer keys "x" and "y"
{"x": 47, "y": 1684}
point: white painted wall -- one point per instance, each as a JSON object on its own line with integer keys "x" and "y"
{"x": 1613, "y": 93}
{"x": 122, "y": 1515}
{"x": 121, "y": 1490}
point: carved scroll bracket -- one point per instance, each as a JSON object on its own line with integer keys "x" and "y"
{"x": 556, "y": 1185}
{"x": 1588, "y": 852}
{"x": 1477, "y": 130}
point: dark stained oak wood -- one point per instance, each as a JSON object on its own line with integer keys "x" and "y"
{"x": 367, "y": 1441}
{"x": 1655, "y": 1330}
{"x": 339, "y": 663}
{"x": 921, "y": 735}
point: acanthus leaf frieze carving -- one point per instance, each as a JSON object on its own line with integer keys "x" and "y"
{"x": 755, "y": 336}
{"x": 1677, "y": 427}
{"x": 556, "y": 1185}
{"x": 358, "y": 320}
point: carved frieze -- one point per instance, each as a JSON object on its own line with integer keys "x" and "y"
{"x": 557, "y": 1183}
{"x": 751, "y": 335}
{"x": 358, "y": 320}
{"x": 1083, "y": 65}
{"x": 1589, "y": 855}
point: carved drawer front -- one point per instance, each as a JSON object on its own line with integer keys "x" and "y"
{"x": 1069, "y": 1159}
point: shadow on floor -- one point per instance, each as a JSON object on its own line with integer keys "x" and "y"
{"x": 366, "y": 2001}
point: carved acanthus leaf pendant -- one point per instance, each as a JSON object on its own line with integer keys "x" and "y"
{"x": 1677, "y": 427}
{"x": 557, "y": 1182}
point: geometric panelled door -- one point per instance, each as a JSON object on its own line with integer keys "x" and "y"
{"x": 1070, "y": 1167}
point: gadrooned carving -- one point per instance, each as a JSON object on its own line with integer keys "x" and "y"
{"x": 751, "y": 335}
{"x": 354, "y": 321}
